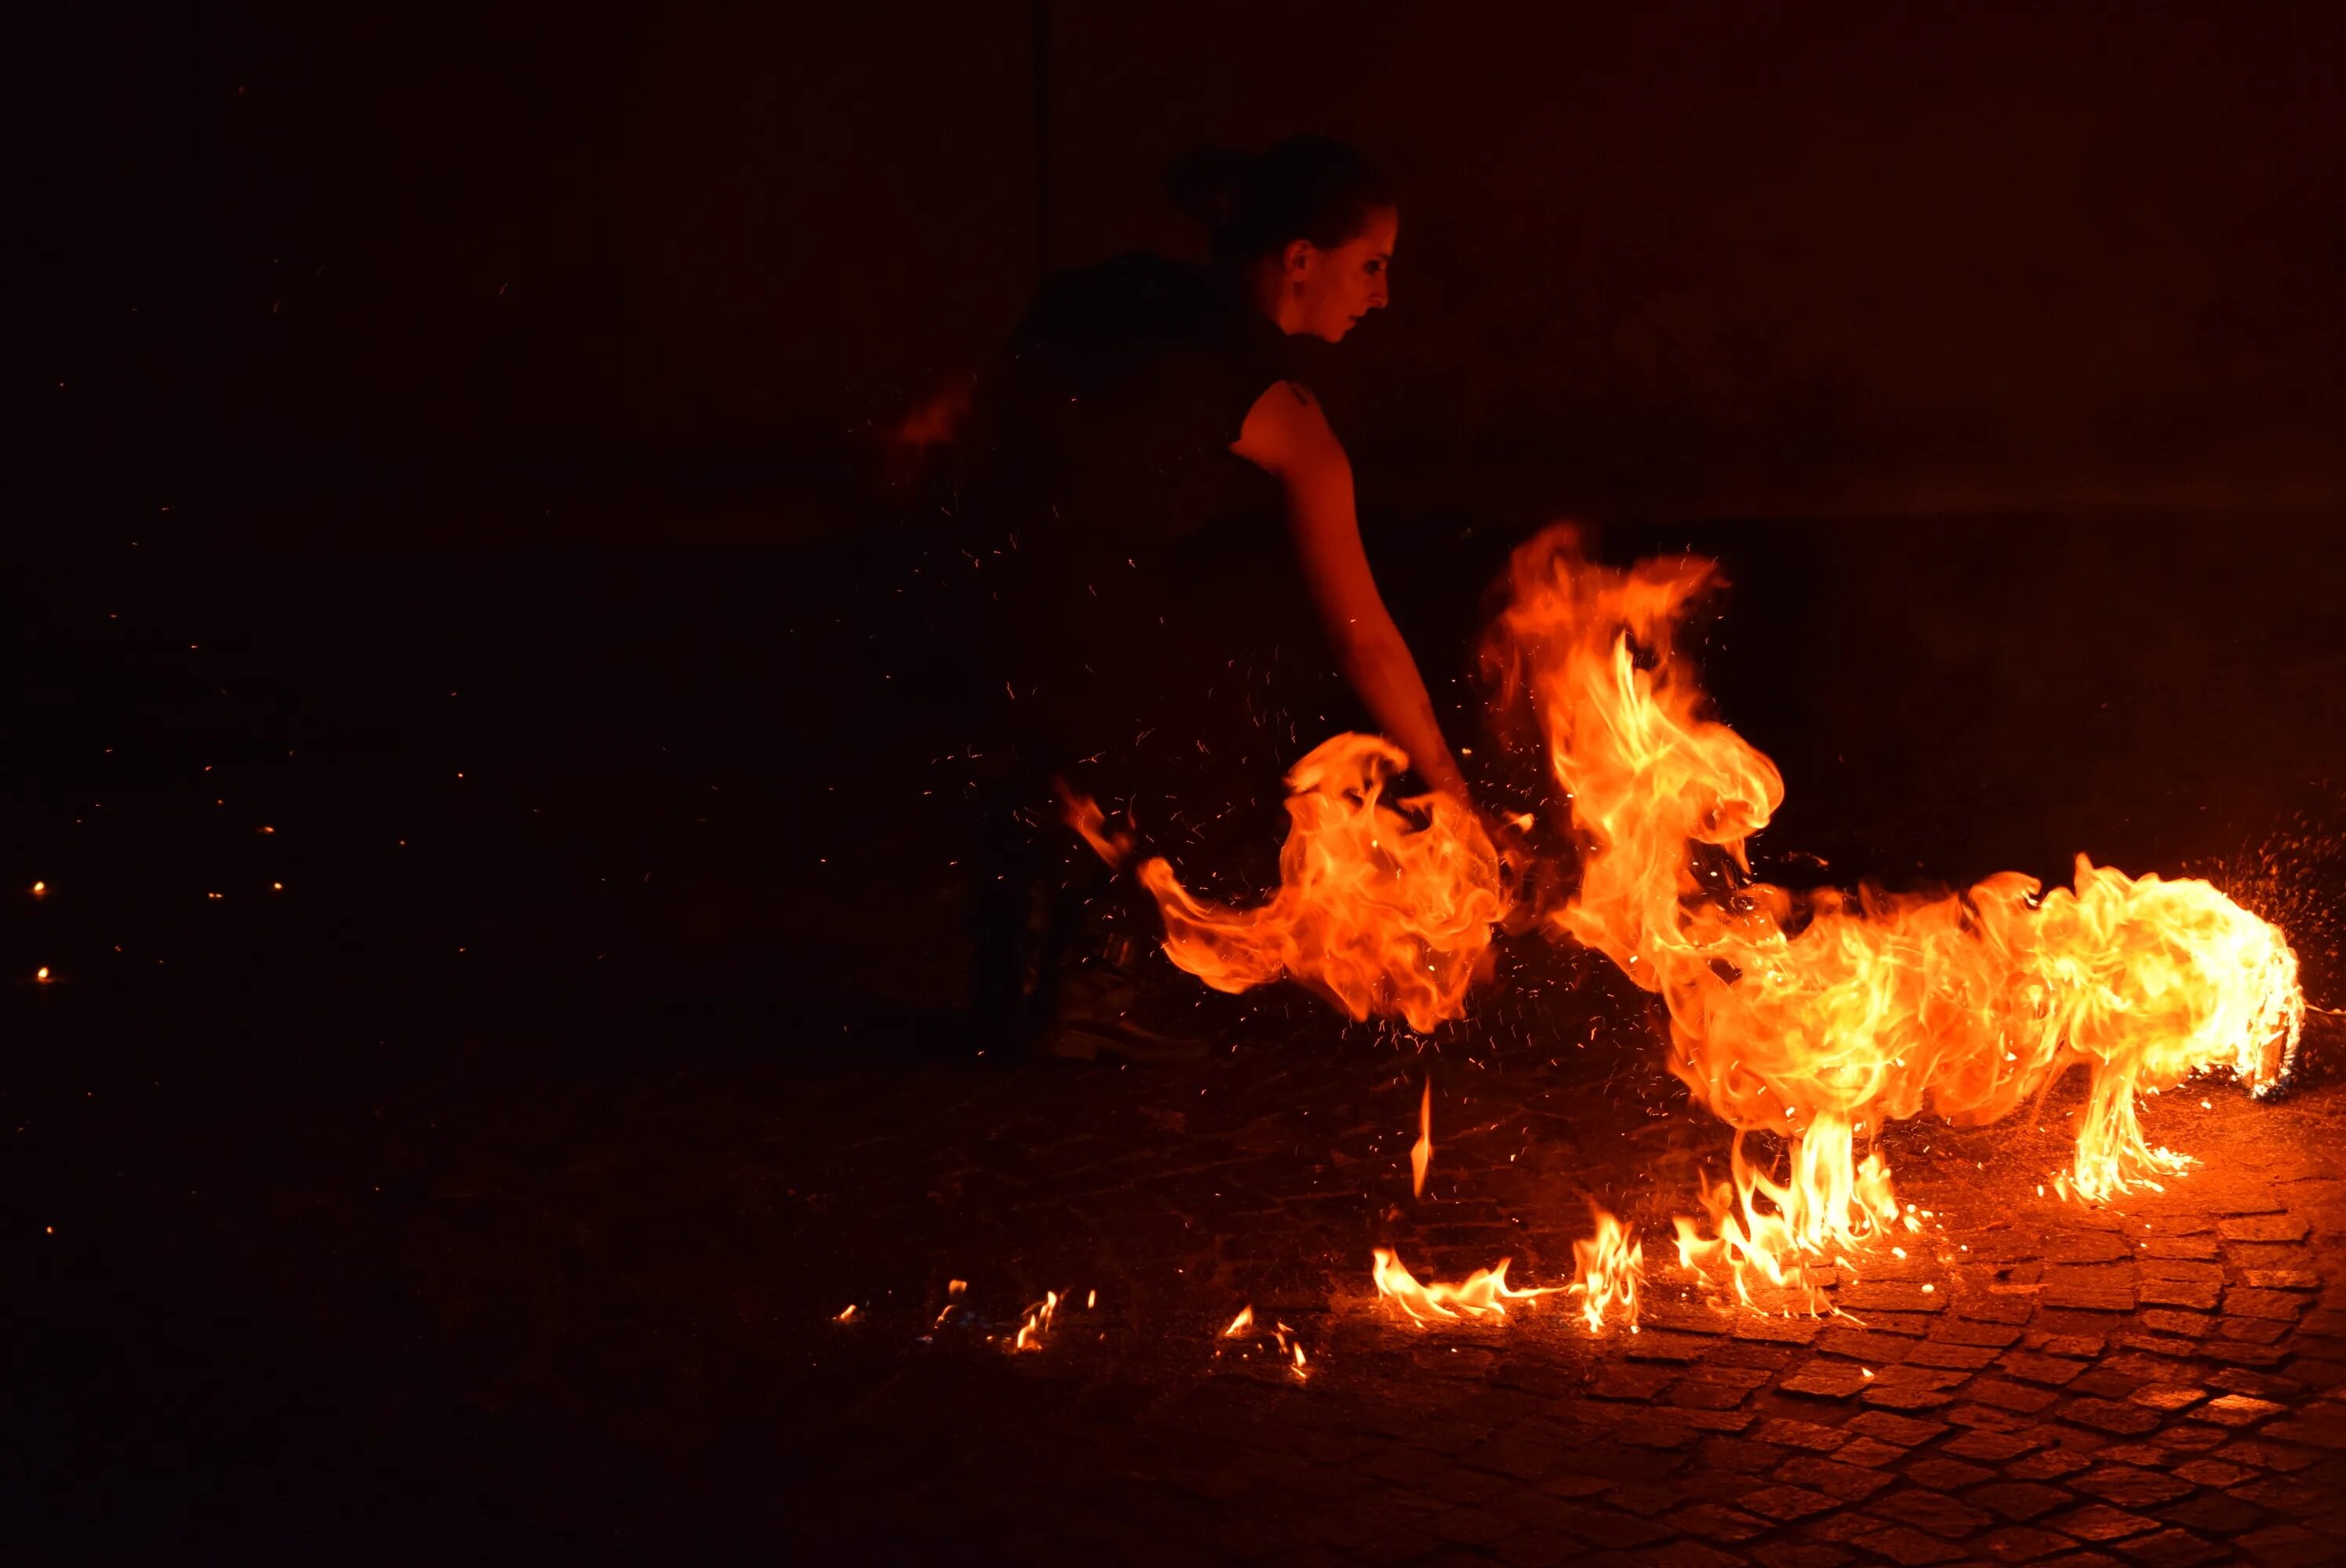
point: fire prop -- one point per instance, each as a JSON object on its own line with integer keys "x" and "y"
{"x": 1384, "y": 909}
{"x": 1819, "y": 1017}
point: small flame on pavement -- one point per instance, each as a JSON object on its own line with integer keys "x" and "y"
{"x": 1241, "y": 1323}
{"x": 1606, "y": 1269}
{"x": 1484, "y": 1294}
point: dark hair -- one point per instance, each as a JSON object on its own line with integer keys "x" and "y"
{"x": 1253, "y": 204}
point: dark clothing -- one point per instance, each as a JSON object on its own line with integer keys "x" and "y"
{"x": 1142, "y": 629}
{"x": 1154, "y": 640}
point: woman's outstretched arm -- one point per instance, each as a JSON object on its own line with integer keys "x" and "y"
{"x": 1287, "y": 436}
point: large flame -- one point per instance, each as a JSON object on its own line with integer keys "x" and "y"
{"x": 1819, "y": 1017}
{"x": 1383, "y": 910}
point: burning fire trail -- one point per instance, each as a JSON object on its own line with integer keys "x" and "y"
{"x": 1821, "y": 1017}
{"x": 1381, "y": 909}
{"x": 1484, "y": 1293}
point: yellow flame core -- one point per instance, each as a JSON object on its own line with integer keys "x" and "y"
{"x": 1421, "y": 1153}
{"x": 1819, "y": 1015}
{"x": 1381, "y": 910}
{"x": 1607, "y": 1270}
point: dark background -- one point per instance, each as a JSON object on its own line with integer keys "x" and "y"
{"x": 457, "y": 448}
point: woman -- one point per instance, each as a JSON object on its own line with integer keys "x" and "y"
{"x": 1166, "y": 496}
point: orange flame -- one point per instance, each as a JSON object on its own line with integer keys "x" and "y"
{"x": 1484, "y": 1293}
{"x": 1380, "y": 912}
{"x": 1241, "y": 1323}
{"x": 1607, "y": 1270}
{"x": 1082, "y": 813}
{"x": 1421, "y": 1153}
{"x": 1819, "y": 1017}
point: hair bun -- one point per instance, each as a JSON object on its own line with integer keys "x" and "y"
{"x": 1208, "y": 183}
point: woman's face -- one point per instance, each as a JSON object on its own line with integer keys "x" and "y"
{"x": 1326, "y": 293}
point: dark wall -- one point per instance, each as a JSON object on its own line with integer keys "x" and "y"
{"x": 1672, "y": 261}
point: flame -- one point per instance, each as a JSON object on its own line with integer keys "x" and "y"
{"x": 847, "y": 1316}
{"x": 1819, "y": 1017}
{"x": 1606, "y": 1269}
{"x": 1484, "y": 1293}
{"x": 1381, "y": 910}
{"x": 1082, "y": 813}
{"x": 1421, "y": 1153}
{"x": 1241, "y": 1323}
{"x": 1037, "y": 1324}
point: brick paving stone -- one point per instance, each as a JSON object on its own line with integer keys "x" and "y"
{"x": 2200, "y": 1295}
{"x": 2172, "y": 1549}
{"x": 1643, "y": 1500}
{"x": 1848, "y": 1482}
{"x": 2264, "y": 1385}
{"x": 2196, "y": 1247}
{"x": 1538, "y": 1549}
{"x": 2283, "y": 1279}
{"x": 2009, "y": 1396}
{"x": 2237, "y": 1410}
{"x": 1962, "y": 1357}
{"x": 1466, "y": 1526}
{"x": 1960, "y": 1330}
{"x": 1903, "y": 1430}
{"x": 1908, "y": 1547}
{"x": 2112, "y": 1382}
{"x": 1904, "y": 1388}
{"x": 1869, "y": 1452}
{"x": 1800, "y": 1555}
{"x": 1986, "y": 1418}
{"x": 2242, "y": 1355}
{"x": 2213, "y": 1472}
{"x": 2180, "y": 1268}
{"x": 2263, "y": 1227}
{"x": 2167, "y": 1320}
{"x": 1943, "y": 1475}
{"x": 2073, "y": 1294}
{"x": 1890, "y": 1295}
{"x": 2289, "y": 1546}
{"x": 2017, "y": 1543}
{"x": 2129, "y": 1486}
{"x": 1995, "y": 1308}
{"x": 1993, "y": 1447}
{"x": 2099, "y": 1521}
{"x": 2168, "y": 1396}
{"x": 1801, "y": 1434}
{"x": 1621, "y": 1532}
{"x": 2083, "y": 1246}
{"x": 1875, "y": 1349}
{"x": 2076, "y": 1347}
{"x": 2109, "y": 1416}
{"x": 2022, "y": 1500}
{"x": 1786, "y": 1505}
{"x": 2255, "y": 1331}
{"x": 2048, "y": 1464}
{"x": 2212, "y": 1514}
{"x": 2051, "y": 1371}
{"x": 2300, "y": 1498}
{"x": 1740, "y": 1454}
{"x": 1686, "y": 1554}
{"x": 1932, "y": 1510}
{"x": 2161, "y": 1345}
{"x": 1622, "y": 1383}
{"x": 1666, "y": 1347}
{"x": 2248, "y": 1301}
{"x": 1825, "y": 1379}
{"x": 1777, "y": 1330}
{"x": 2265, "y": 1455}
{"x": 2082, "y": 1559}
{"x": 1717, "y": 1522}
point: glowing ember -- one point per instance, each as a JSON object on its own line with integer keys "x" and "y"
{"x": 1606, "y": 1268}
{"x": 1240, "y": 1324}
{"x": 41, "y": 974}
{"x": 39, "y": 889}
{"x": 1384, "y": 909}
{"x": 848, "y": 1316}
{"x": 1484, "y": 1294}
{"x": 1421, "y": 1153}
{"x": 1819, "y": 1016}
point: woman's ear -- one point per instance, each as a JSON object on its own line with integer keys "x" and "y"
{"x": 1296, "y": 259}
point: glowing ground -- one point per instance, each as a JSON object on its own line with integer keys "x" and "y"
{"x": 609, "y": 1312}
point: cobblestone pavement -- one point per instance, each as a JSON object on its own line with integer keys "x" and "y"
{"x": 634, "y": 1293}
{"x": 2155, "y": 1383}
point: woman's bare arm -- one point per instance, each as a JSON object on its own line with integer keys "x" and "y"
{"x": 1287, "y": 436}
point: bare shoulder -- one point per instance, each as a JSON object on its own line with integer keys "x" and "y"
{"x": 1286, "y": 427}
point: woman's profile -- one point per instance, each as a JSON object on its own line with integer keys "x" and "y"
{"x": 1170, "y": 564}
